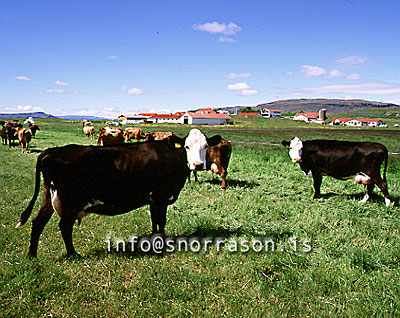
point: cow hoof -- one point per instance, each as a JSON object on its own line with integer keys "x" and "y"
{"x": 74, "y": 256}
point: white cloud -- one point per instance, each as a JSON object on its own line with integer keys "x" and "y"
{"x": 135, "y": 91}
{"x": 61, "y": 83}
{"x": 224, "y": 39}
{"x": 23, "y": 78}
{"x": 215, "y": 27}
{"x": 237, "y": 75}
{"x": 370, "y": 88}
{"x": 339, "y": 74}
{"x": 55, "y": 91}
{"x": 312, "y": 71}
{"x": 238, "y": 86}
{"x": 249, "y": 92}
{"x": 352, "y": 60}
{"x": 289, "y": 74}
{"x": 24, "y": 108}
{"x": 112, "y": 57}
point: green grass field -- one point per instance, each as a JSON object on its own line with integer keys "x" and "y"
{"x": 353, "y": 269}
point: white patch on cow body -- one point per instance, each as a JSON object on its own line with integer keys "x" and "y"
{"x": 309, "y": 174}
{"x": 55, "y": 201}
{"x": 196, "y": 145}
{"x": 362, "y": 178}
{"x": 295, "y": 151}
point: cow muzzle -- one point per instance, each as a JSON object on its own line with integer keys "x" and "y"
{"x": 296, "y": 160}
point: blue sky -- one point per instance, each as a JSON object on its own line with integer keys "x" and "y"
{"x": 119, "y": 57}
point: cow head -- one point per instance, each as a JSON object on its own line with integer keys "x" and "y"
{"x": 196, "y": 148}
{"x": 295, "y": 149}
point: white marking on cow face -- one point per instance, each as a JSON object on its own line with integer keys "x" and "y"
{"x": 296, "y": 149}
{"x": 196, "y": 146}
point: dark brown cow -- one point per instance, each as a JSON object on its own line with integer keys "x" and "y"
{"x": 3, "y": 134}
{"x": 133, "y": 133}
{"x": 158, "y": 135}
{"x": 342, "y": 160}
{"x": 10, "y": 130}
{"x": 111, "y": 180}
{"x": 217, "y": 159}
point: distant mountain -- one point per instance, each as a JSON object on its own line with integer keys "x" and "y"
{"x": 331, "y": 105}
{"x": 81, "y": 117}
{"x": 44, "y": 115}
{"x": 26, "y": 115}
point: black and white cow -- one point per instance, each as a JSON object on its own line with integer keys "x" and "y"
{"x": 112, "y": 180}
{"x": 342, "y": 160}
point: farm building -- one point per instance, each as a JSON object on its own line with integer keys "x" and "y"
{"x": 165, "y": 118}
{"x": 353, "y": 122}
{"x": 306, "y": 116}
{"x": 249, "y": 114}
{"x": 205, "y": 118}
{"x": 271, "y": 113}
{"x": 134, "y": 119}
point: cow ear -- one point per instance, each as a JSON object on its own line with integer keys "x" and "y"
{"x": 285, "y": 143}
{"x": 215, "y": 140}
{"x": 175, "y": 141}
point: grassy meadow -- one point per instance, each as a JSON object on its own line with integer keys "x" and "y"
{"x": 352, "y": 270}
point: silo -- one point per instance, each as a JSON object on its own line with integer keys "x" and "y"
{"x": 322, "y": 114}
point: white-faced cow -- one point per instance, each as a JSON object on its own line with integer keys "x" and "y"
{"x": 111, "y": 180}
{"x": 342, "y": 160}
{"x": 217, "y": 158}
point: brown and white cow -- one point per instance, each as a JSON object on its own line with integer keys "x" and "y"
{"x": 109, "y": 136}
{"x": 33, "y": 128}
{"x": 158, "y": 135}
{"x": 342, "y": 160}
{"x": 133, "y": 133}
{"x": 88, "y": 131}
{"x": 24, "y": 136}
{"x": 111, "y": 180}
{"x": 217, "y": 159}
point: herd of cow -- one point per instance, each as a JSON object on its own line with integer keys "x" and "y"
{"x": 13, "y": 130}
{"x": 119, "y": 177}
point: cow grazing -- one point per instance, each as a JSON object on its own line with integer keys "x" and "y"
{"x": 111, "y": 180}
{"x": 24, "y": 137}
{"x": 342, "y": 160}
{"x": 217, "y": 159}
{"x": 33, "y": 128}
{"x": 88, "y": 131}
{"x": 133, "y": 133}
{"x": 158, "y": 135}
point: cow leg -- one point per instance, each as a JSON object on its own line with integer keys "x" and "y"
{"x": 158, "y": 217}
{"x": 383, "y": 187}
{"x": 317, "y": 185}
{"x": 40, "y": 221}
{"x": 195, "y": 175}
{"x": 66, "y": 226}
{"x": 223, "y": 175}
{"x": 370, "y": 189}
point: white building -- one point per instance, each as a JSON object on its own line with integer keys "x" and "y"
{"x": 271, "y": 113}
{"x": 212, "y": 118}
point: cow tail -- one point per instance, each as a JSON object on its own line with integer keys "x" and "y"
{"x": 26, "y": 214}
